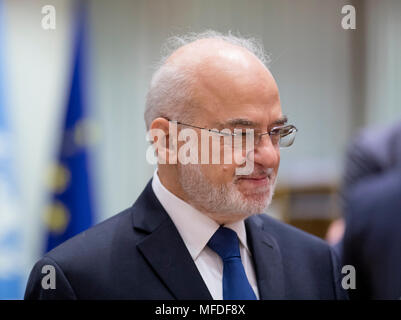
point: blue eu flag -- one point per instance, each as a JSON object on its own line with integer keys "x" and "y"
{"x": 11, "y": 254}
{"x": 71, "y": 209}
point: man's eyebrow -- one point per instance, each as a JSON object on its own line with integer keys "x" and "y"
{"x": 279, "y": 122}
{"x": 248, "y": 123}
{"x": 239, "y": 122}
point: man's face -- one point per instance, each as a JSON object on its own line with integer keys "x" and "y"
{"x": 244, "y": 98}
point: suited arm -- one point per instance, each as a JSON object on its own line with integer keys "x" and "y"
{"x": 339, "y": 291}
{"x": 47, "y": 281}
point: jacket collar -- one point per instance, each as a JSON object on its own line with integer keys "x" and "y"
{"x": 266, "y": 258}
{"x": 164, "y": 249}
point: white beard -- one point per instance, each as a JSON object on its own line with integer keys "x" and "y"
{"x": 224, "y": 200}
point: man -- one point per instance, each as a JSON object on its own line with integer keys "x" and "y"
{"x": 372, "y": 240}
{"x": 193, "y": 233}
{"x": 373, "y": 152}
{"x": 372, "y": 206}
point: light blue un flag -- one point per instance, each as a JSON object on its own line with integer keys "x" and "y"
{"x": 71, "y": 208}
{"x": 11, "y": 286}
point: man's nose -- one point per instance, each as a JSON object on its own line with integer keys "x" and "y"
{"x": 266, "y": 154}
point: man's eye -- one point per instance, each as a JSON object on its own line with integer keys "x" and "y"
{"x": 276, "y": 131}
{"x": 244, "y": 133}
{"x": 239, "y": 131}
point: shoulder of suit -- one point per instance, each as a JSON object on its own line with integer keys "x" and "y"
{"x": 93, "y": 241}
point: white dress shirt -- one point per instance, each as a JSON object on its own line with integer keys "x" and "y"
{"x": 196, "y": 229}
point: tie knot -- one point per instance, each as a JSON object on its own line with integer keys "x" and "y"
{"x": 225, "y": 243}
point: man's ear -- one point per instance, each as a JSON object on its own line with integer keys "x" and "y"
{"x": 164, "y": 139}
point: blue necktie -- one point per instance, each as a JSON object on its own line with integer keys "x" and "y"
{"x": 235, "y": 283}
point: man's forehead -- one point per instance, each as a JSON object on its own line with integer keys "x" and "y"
{"x": 211, "y": 59}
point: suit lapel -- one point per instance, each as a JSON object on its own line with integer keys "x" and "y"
{"x": 267, "y": 260}
{"x": 165, "y": 251}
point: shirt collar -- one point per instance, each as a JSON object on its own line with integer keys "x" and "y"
{"x": 194, "y": 227}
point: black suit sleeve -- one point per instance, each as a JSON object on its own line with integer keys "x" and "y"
{"x": 340, "y": 292}
{"x": 35, "y": 290}
{"x": 356, "y": 217}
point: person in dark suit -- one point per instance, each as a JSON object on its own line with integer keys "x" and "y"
{"x": 372, "y": 152}
{"x": 372, "y": 239}
{"x": 196, "y": 231}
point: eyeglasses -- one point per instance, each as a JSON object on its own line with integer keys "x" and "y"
{"x": 281, "y": 136}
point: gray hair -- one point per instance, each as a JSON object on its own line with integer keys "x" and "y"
{"x": 171, "y": 87}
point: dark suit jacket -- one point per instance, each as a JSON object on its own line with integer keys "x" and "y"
{"x": 372, "y": 240}
{"x": 139, "y": 254}
{"x": 371, "y": 153}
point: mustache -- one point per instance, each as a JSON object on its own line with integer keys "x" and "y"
{"x": 258, "y": 173}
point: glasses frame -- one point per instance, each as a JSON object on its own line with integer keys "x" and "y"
{"x": 259, "y": 136}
